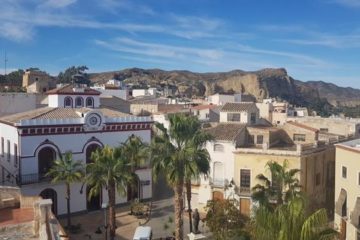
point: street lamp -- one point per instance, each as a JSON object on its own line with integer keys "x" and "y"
{"x": 105, "y": 207}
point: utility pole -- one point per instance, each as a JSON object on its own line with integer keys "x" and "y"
{"x": 5, "y": 60}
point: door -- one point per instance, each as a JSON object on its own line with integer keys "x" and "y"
{"x": 218, "y": 196}
{"x": 50, "y": 194}
{"x": 94, "y": 203}
{"x": 343, "y": 230}
{"x": 245, "y": 206}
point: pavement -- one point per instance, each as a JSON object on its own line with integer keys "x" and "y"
{"x": 161, "y": 218}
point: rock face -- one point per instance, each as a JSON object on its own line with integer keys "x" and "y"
{"x": 261, "y": 84}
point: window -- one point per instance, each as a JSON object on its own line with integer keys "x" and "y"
{"x": 15, "y": 155}
{"x": 324, "y": 130}
{"x": 259, "y": 139}
{"x": 244, "y": 178}
{"x": 251, "y": 139}
{"x": 207, "y": 115}
{"x": 233, "y": 117}
{"x": 8, "y": 150}
{"x": 317, "y": 179}
{"x": 2, "y": 146}
{"x": 359, "y": 180}
{"x": 344, "y": 208}
{"x": 79, "y": 102}
{"x": 218, "y": 148}
{"x": 299, "y": 137}
{"x": 253, "y": 118}
{"x": 68, "y": 102}
{"x": 344, "y": 172}
{"x": 89, "y": 102}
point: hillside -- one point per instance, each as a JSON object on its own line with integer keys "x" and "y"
{"x": 261, "y": 84}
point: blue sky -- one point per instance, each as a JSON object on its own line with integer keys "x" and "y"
{"x": 312, "y": 39}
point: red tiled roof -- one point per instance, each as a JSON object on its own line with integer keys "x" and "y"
{"x": 69, "y": 90}
{"x": 300, "y": 125}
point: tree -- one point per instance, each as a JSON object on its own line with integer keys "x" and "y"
{"x": 67, "y": 75}
{"x": 291, "y": 222}
{"x": 170, "y": 152}
{"x": 110, "y": 170}
{"x": 283, "y": 186}
{"x": 198, "y": 159}
{"x": 69, "y": 171}
{"x": 136, "y": 152}
{"x": 225, "y": 220}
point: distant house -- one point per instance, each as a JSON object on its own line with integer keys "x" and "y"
{"x": 206, "y": 113}
{"x": 36, "y": 81}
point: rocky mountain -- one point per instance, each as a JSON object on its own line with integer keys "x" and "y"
{"x": 261, "y": 84}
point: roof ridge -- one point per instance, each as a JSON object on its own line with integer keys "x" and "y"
{"x": 50, "y": 110}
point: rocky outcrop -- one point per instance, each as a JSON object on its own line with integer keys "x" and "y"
{"x": 261, "y": 84}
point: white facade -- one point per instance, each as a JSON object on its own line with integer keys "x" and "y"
{"x": 221, "y": 99}
{"x": 56, "y": 100}
{"x": 28, "y": 145}
{"x": 144, "y": 92}
{"x": 16, "y": 102}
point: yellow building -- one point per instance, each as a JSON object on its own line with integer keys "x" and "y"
{"x": 347, "y": 190}
{"x": 36, "y": 81}
{"x": 298, "y": 145}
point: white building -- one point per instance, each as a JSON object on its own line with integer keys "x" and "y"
{"x": 31, "y": 141}
{"x": 221, "y": 99}
{"x": 246, "y": 113}
{"x": 206, "y": 113}
{"x": 347, "y": 190}
{"x": 144, "y": 92}
{"x": 114, "y": 88}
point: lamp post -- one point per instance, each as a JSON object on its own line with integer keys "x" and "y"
{"x": 105, "y": 207}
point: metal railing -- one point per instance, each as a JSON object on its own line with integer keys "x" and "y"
{"x": 33, "y": 178}
{"x": 244, "y": 191}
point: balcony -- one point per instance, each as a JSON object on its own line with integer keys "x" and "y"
{"x": 218, "y": 182}
{"x": 244, "y": 191}
{"x": 33, "y": 178}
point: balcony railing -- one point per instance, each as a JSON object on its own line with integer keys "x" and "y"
{"x": 33, "y": 178}
{"x": 218, "y": 183}
{"x": 244, "y": 191}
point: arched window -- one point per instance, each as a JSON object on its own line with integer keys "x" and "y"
{"x": 89, "y": 102}
{"x": 218, "y": 148}
{"x": 218, "y": 179}
{"x": 79, "y": 102}
{"x": 46, "y": 158}
{"x": 68, "y": 102}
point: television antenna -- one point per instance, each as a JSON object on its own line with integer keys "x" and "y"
{"x": 5, "y": 61}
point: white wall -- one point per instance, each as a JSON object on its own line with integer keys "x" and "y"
{"x": 9, "y": 133}
{"x": 120, "y": 93}
{"x": 244, "y": 117}
{"x": 56, "y": 100}
{"x": 225, "y": 157}
{"x": 77, "y": 144}
{"x": 16, "y": 102}
{"x": 144, "y": 92}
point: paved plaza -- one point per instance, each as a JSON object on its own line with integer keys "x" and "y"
{"x": 161, "y": 219}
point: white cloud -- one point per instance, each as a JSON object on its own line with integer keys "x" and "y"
{"x": 58, "y": 3}
{"x": 16, "y": 31}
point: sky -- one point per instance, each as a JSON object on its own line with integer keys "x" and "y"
{"x": 312, "y": 39}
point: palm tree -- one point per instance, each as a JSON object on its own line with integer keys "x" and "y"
{"x": 290, "y": 222}
{"x": 198, "y": 159}
{"x": 283, "y": 186}
{"x": 171, "y": 154}
{"x": 69, "y": 171}
{"x": 109, "y": 170}
{"x": 136, "y": 153}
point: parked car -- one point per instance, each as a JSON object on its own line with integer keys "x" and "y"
{"x": 143, "y": 233}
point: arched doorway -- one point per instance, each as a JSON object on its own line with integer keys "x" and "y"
{"x": 50, "y": 193}
{"x": 133, "y": 190}
{"x": 95, "y": 202}
{"x": 46, "y": 158}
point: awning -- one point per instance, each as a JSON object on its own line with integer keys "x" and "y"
{"x": 339, "y": 203}
{"x": 355, "y": 215}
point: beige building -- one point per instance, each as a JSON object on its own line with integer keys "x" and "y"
{"x": 36, "y": 81}
{"x": 347, "y": 190}
{"x": 314, "y": 159}
{"x": 244, "y": 113}
{"x": 341, "y": 126}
